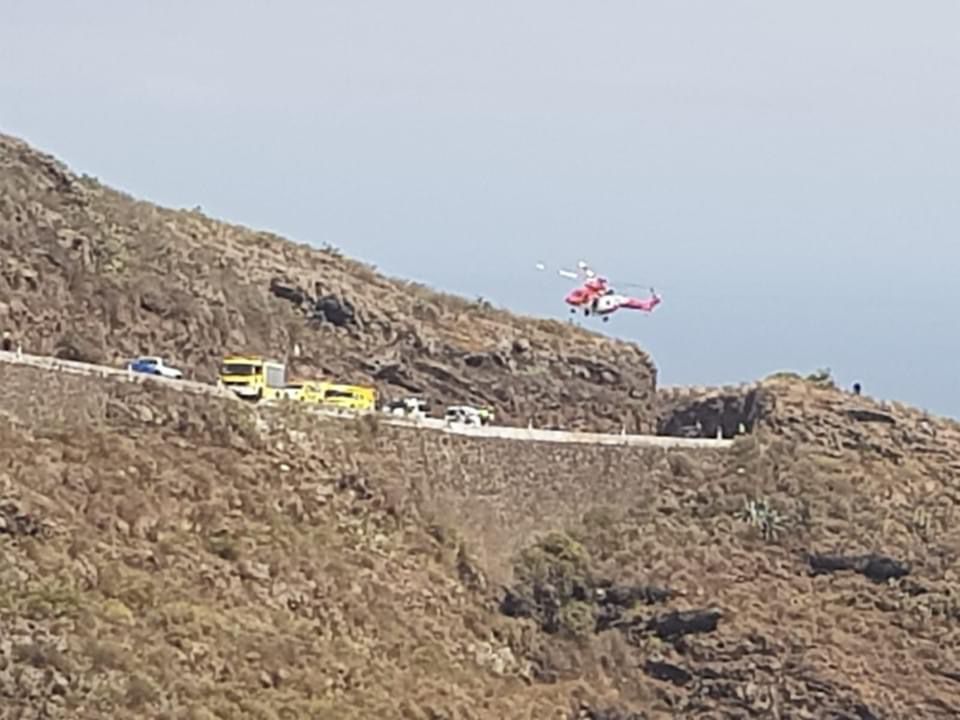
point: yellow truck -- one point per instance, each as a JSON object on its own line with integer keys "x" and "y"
{"x": 295, "y": 389}
{"x": 254, "y": 377}
{"x": 337, "y": 395}
{"x": 351, "y": 397}
{"x": 322, "y": 392}
{"x": 309, "y": 391}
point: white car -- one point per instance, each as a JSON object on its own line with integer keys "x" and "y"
{"x": 468, "y": 415}
{"x": 151, "y": 365}
{"x": 408, "y": 407}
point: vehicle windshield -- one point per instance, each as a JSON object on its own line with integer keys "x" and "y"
{"x": 239, "y": 369}
{"x": 338, "y": 393}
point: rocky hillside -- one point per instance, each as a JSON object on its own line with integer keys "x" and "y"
{"x": 90, "y": 273}
{"x": 171, "y": 556}
{"x": 813, "y": 410}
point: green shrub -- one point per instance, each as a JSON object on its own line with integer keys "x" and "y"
{"x": 578, "y": 618}
{"x": 551, "y": 575}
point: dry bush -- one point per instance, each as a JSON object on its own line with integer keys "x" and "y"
{"x": 553, "y": 585}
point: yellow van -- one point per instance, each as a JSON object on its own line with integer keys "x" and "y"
{"x": 350, "y": 397}
{"x": 311, "y": 391}
{"x": 253, "y": 377}
{"x": 295, "y": 389}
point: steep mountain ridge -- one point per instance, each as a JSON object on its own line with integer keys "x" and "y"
{"x": 88, "y": 272}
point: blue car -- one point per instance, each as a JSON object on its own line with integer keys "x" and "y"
{"x": 154, "y": 366}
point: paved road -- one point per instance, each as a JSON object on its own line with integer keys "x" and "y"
{"x": 52, "y": 364}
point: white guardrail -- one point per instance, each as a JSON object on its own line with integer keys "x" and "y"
{"x": 52, "y": 364}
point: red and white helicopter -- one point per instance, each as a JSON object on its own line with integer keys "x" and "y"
{"x": 595, "y": 296}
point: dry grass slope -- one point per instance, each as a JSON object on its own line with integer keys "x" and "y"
{"x": 168, "y": 556}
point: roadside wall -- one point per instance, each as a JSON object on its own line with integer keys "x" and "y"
{"x": 47, "y": 374}
{"x": 496, "y": 491}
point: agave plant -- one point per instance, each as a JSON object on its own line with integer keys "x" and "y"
{"x": 760, "y": 514}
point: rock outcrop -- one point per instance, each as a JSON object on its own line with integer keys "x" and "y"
{"x": 815, "y": 412}
{"x": 709, "y": 412}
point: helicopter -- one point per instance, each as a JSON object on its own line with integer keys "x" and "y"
{"x": 595, "y": 296}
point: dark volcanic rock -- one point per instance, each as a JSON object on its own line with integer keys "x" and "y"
{"x": 724, "y": 413}
{"x": 587, "y": 712}
{"x": 334, "y": 310}
{"x": 668, "y": 672}
{"x": 290, "y": 292}
{"x": 17, "y": 523}
{"x": 862, "y": 415}
{"x": 680, "y": 623}
{"x": 878, "y": 568}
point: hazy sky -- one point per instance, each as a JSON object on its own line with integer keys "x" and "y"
{"x": 786, "y": 174}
